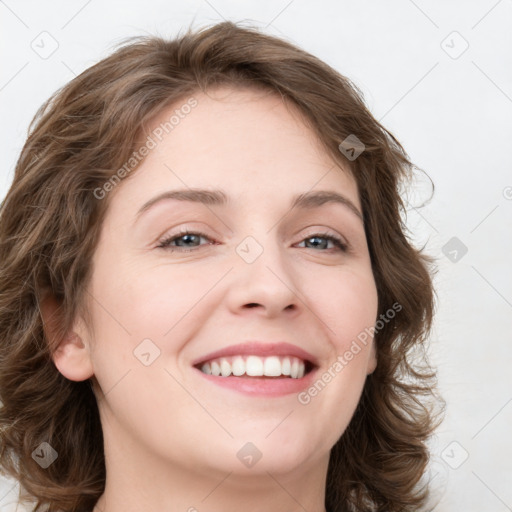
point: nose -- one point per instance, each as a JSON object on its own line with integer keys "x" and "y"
{"x": 262, "y": 281}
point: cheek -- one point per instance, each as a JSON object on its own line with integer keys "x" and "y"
{"x": 141, "y": 310}
{"x": 346, "y": 302}
{"x": 347, "y": 306}
{"x": 158, "y": 302}
{"x": 148, "y": 301}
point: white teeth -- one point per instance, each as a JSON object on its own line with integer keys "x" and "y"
{"x": 272, "y": 367}
{"x": 215, "y": 368}
{"x": 295, "y": 369}
{"x": 238, "y": 366}
{"x": 225, "y": 368}
{"x": 255, "y": 366}
{"x": 286, "y": 366}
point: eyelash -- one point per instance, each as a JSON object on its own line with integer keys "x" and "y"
{"x": 165, "y": 243}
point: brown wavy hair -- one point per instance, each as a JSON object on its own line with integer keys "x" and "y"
{"x": 50, "y": 222}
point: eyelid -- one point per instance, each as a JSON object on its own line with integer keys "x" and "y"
{"x": 339, "y": 241}
{"x": 327, "y": 232}
{"x": 188, "y": 227}
{"x": 164, "y": 241}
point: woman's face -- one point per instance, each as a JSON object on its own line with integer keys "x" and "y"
{"x": 256, "y": 276}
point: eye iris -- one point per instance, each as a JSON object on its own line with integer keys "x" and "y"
{"x": 316, "y": 243}
{"x": 186, "y": 238}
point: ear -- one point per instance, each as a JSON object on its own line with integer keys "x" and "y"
{"x": 71, "y": 355}
{"x": 372, "y": 359}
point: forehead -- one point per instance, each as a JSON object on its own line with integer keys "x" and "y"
{"x": 250, "y": 143}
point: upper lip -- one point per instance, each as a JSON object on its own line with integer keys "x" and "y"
{"x": 259, "y": 348}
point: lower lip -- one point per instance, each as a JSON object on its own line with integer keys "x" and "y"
{"x": 260, "y": 386}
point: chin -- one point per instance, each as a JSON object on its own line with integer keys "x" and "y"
{"x": 261, "y": 456}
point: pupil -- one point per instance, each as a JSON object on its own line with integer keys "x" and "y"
{"x": 187, "y": 238}
{"x": 316, "y": 239}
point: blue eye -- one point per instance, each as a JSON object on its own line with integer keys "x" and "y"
{"x": 318, "y": 237}
{"x": 187, "y": 241}
{"x": 186, "y": 237}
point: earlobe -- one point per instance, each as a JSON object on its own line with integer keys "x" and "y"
{"x": 72, "y": 359}
{"x": 70, "y": 354}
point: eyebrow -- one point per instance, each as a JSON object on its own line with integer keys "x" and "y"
{"x": 216, "y": 197}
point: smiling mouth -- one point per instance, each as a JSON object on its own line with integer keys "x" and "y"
{"x": 251, "y": 366}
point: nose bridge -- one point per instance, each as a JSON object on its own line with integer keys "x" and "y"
{"x": 262, "y": 275}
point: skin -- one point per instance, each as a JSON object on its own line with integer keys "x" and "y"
{"x": 172, "y": 437}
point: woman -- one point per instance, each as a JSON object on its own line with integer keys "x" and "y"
{"x": 208, "y": 298}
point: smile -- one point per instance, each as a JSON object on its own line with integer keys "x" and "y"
{"x": 256, "y": 366}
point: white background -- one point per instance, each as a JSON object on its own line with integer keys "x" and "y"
{"x": 452, "y": 111}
